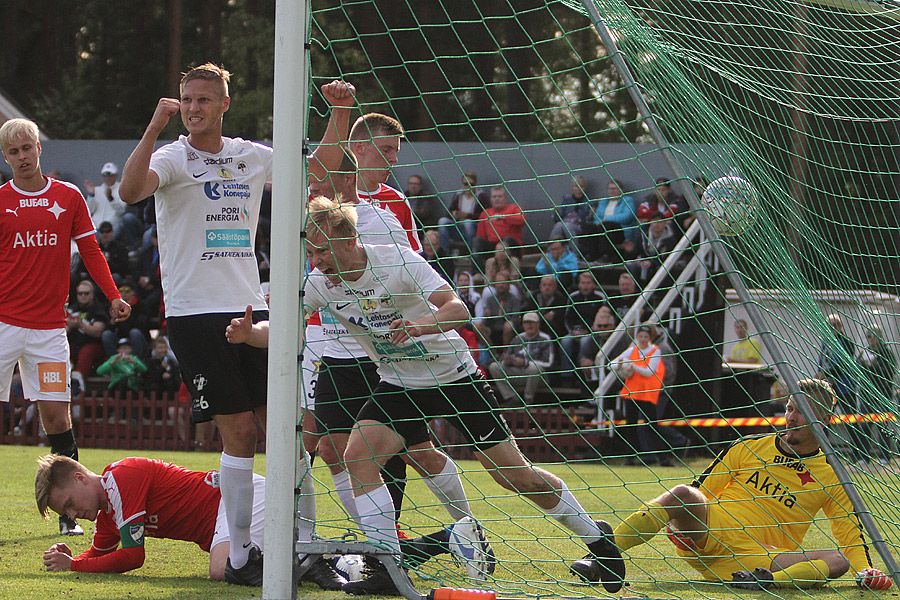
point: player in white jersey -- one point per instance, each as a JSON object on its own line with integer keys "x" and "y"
{"x": 347, "y": 376}
{"x": 405, "y": 315}
{"x": 208, "y": 190}
{"x": 375, "y": 142}
{"x": 39, "y": 219}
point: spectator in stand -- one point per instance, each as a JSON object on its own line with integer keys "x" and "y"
{"x": 114, "y": 251}
{"x": 604, "y": 324}
{"x": 427, "y": 208}
{"x": 375, "y": 142}
{"x": 642, "y": 370}
{"x": 146, "y": 273}
{"x": 880, "y": 366}
{"x": 572, "y": 214}
{"x": 502, "y": 220}
{"x": 503, "y": 260}
{"x": 124, "y": 369}
{"x": 86, "y": 320}
{"x": 106, "y": 205}
{"x": 466, "y": 291}
{"x": 662, "y": 201}
{"x": 834, "y": 367}
{"x": 500, "y": 312}
{"x": 135, "y": 328}
{"x": 583, "y": 306}
{"x": 613, "y": 221}
{"x": 560, "y": 262}
{"x": 550, "y": 303}
{"x": 746, "y": 350}
{"x": 659, "y": 239}
{"x": 434, "y": 254}
{"x": 627, "y": 294}
{"x": 524, "y": 363}
{"x": 465, "y": 208}
{"x": 162, "y": 368}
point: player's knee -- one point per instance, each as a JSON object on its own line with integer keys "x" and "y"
{"x": 837, "y": 565}
{"x": 327, "y": 453}
{"x": 522, "y": 481}
{"x": 431, "y": 461}
{"x": 681, "y": 495}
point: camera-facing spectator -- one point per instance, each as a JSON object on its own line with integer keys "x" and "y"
{"x": 427, "y": 208}
{"x": 560, "y": 262}
{"x": 124, "y": 369}
{"x": 86, "y": 320}
{"x": 504, "y": 219}
{"x": 550, "y": 302}
{"x": 523, "y": 363}
{"x": 465, "y": 208}
{"x": 162, "y": 368}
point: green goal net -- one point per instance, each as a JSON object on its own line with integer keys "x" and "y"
{"x": 722, "y": 178}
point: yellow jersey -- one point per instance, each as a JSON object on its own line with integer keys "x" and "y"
{"x": 775, "y": 495}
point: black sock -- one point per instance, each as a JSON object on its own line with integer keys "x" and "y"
{"x": 63, "y": 444}
{"x": 417, "y": 551}
{"x": 312, "y": 458}
{"x": 394, "y": 475}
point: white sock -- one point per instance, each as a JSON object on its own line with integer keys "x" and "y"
{"x": 306, "y": 505}
{"x": 448, "y": 488}
{"x": 570, "y": 513}
{"x": 345, "y": 494}
{"x": 376, "y": 517}
{"x": 236, "y": 486}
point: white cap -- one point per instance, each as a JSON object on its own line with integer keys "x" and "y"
{"x": 109, "y": 169}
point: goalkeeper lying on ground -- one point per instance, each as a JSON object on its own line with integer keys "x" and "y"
{"x": 743, "y": 520}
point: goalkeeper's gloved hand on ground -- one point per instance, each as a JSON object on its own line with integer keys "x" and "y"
{"x": 873, "y": 579}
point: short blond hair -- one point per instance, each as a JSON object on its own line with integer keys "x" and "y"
{"x": 822, "y": 398}
{"x": 373, "y": 125}
{"x": 208, "y": 72}
{"x": 336, "y": 221}
{"x": 14, "y": 128}
{"x": 54, "y": 471}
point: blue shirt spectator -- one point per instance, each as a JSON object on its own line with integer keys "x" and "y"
{"x": 618, "y": 208}
{"x": 560, "y": 262}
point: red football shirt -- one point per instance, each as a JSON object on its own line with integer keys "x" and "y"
{"x": 388, "y": 198}
{"x": 152, "y": 498}
{"x": 36, "y": 233}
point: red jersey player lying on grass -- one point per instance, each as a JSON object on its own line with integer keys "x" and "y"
{"x": 138, "y": 497}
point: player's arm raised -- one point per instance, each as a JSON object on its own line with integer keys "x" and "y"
{"x": 340, "y": 95}
{"x": 451, "y": 313}
{"x": 138, "y": 181}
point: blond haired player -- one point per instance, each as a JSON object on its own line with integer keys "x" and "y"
{"x": 40, "y": 217}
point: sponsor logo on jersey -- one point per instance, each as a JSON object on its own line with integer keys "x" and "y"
{"x": 199, "y": 175}
{"x": 224, "y": 173}
{"x": 13, "y": 211}
{"x": 230, "y": 214}
{"x": 210, "y": 255}
{"x": 218, "y": 161}
{"x": 771, "y": 487}
{"x": 369, "y": 305}
{"x": 212, "y": 479}
{"x": 52, "y": 377}
{"x": 191, "y": 155}
{"x": 242, "y": 167}
{"x": 386, "y": 301}
{"x": 359, "y": 322}
{"x": 32, "y": 202}
{"x": 216, "y": 190}
{"x": 228, "y": 238}
{"x": 35, "y": 239}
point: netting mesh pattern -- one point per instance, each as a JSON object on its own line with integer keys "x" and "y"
{"x": 800, "y": 100}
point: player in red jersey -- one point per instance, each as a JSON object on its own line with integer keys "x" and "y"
{"x": 136, "y": 498}
{"x": 375, "y": 142}
{"x": 39, "y": 218}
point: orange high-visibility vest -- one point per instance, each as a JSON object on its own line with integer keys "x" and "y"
{"x": 640, "y": 387}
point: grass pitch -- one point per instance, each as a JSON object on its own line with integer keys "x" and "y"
{"x": 533, "y": 551}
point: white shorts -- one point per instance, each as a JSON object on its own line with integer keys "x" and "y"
{"x": 257, "y": 524}
{"x": 43, "y": 357}
{"x": 312, "y": 355}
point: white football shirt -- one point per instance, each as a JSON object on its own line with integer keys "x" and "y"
{"x": 207, "y": 210}
{"x": 395, "y": 285}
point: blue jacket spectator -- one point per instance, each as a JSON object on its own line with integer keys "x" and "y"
{"x": 618, "y": 208}
{"x": 560, "y": 262}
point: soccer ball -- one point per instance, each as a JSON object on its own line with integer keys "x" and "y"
{"x": 731, "y": 203}
{"x": 349, "y": 566}
{"x": 470, "y": 547}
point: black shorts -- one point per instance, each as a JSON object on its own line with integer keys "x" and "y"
{"x": 223, "y": 378}
{"x": 343, "y": 387}
{"x": 468, "y": 404}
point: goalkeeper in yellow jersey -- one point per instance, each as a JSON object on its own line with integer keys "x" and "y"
{"x": 743, "y": 520}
